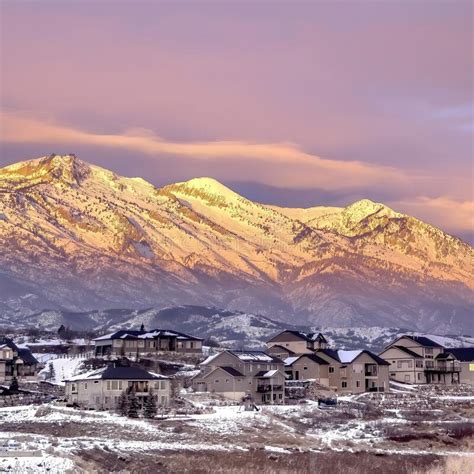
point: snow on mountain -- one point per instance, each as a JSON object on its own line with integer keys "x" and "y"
{"x": 79, "y": 238}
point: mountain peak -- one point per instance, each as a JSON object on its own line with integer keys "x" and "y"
{"x": 366, "y": 207}
{"x": 205, "y": 188}
{"x": 67, "y": 168}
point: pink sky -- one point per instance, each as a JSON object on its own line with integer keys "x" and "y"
{"x": 296, "y": 103}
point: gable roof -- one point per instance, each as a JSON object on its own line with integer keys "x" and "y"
{"x": 135, "y": 334}
{"x": 347, "y": 357}
{"x": 289, "y": 361}
{"x": 27, "y": 357}
{"x": 309, "y": 337}
{"x": 422, "y": 340}
{"x": 232, "y": 371}
{"x": 463, "y": 354}
{"x": 286, "y": 349}
{"x": 406, "y": 350}
{"x": 118, "y": 373}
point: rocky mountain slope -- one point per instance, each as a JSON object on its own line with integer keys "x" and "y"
{"x": 77, "y": 237}
{"x": 233, "y": 329}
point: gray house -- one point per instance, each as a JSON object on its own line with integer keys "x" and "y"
{"x": 130, "y": 343}
{"x": 101, "y": 389}
{"x": 239, "y": 374}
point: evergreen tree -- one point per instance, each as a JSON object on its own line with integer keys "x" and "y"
{"x": 122, "y": 404}
{"x": 150, "y": 409}
{"x": 51, "y": 372}
{"x": 133, "y": 405}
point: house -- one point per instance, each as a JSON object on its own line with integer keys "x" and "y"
{"x": 465, "y": 358}
{"x": 342, "y": 371}
{"x": 16, "y": 362}
{"x": 298, "y": 342}
{"x": 307, "y": 367}
{"x": 420, "y": 360}
{"x": 355, "y": 371}
{"x": 131, "y": 343}
{"x": 101, "y": 389}
{"x": 239, "y": 374}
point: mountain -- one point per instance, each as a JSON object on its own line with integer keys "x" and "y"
{"x": 234, "y": 329}
{"x": 76, "y": 237}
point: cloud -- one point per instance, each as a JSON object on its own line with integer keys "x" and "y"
{"x": 267, "y": 163}
{"x": 443, "y": 212}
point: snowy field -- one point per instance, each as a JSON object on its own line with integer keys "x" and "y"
{"x": 55, "y": 439}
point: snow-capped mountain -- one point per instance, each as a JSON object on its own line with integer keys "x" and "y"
{"x": 77, "y": 237}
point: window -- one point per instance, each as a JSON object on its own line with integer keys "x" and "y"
{"x": 305, "y": 368}
{"x": 419, "y": 375}
{"x": 163, "y": 400}
{"x": 407, "y": 378}
{"x": 73, "y": 388}
{"x": 216, "y": 381}
{"x": 163, "y": 385}
{"x": 358, "y": 383}
{"x": 226, "y": 380}
{"x": 106, "y": 400}
{"x": 399, "y": 364}
{"x": 419, "y": 364}
{"x": 280, "y": 396}
{"x": 331, "y": 370}
{"x": 85, "y": 386}
{"x": 344, "y": 384}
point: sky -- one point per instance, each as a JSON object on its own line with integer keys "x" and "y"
{"x": 290, "y": 103}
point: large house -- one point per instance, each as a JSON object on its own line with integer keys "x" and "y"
{"x": 131, "y": 343}
{"x": 239, "y": 374}
{"x": 355, "y": 371}
{"x": 308, "y": 357}
{"x": 101, "y": 389}
{"x": 16, "y": 362}
{"x": 420, "y": 360}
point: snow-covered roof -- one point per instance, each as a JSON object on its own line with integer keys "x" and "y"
{"x": 253, "y": 356}
{"x": 210, "y": 358}
{"x": 117, "y": 373}
{"x": 346, "y": 357}
{"x": 290, "y": 360}
{"x": 133, "y": 334}
{"x": 270, "y": 373}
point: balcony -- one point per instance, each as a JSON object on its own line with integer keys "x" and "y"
{"x": 269, "y": 388}
{"x": 444, "y": 369}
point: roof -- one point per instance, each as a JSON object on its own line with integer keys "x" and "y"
{"x": 117, "y": 373}
{"x": 8, "y": 342}
{"x": 422, "y": 340}
{"x": 255, "y": 356}
{"x": 330, "y": 353}
{"x": 463, "y": 354}
{"x": 347, "y": 357}
{"x": 408, "y": 351}
{"x": 309, "y": 337}
{"x": 265, "y": 374}
{"x": 27, "y": 357}
{"x": 134, "y": 334}
{"x": 232, "y": 371}
{"x": 277, "y": 346}
{"x": 291, "y": 360}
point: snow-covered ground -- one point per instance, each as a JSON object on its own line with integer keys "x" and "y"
{"x": 64, "y": 368}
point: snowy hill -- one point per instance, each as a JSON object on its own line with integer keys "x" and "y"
{"x": 78, "y": 237}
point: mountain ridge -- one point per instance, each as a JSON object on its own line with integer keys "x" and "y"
{"x": 81, "y": 237}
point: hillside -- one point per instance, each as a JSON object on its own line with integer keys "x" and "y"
{"x": 76, "y": 237}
